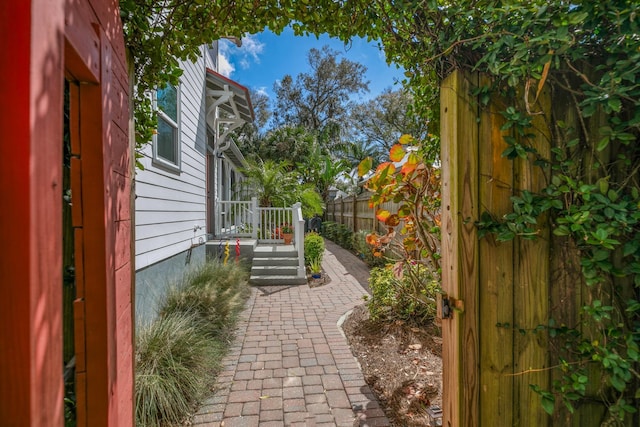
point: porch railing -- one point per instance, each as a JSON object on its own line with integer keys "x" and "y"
{"x": 234, "y": 219}
{"x": 245, "y": 219}
{"x": 272, "y": 224}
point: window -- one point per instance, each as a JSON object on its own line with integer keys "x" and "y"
{"x": 167, "y": 140}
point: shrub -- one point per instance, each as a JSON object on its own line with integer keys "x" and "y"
{"x": 364, "y": 250}
{"x": 411, "y": 296}
{"x": 177, "y": 354}
{"x": 345, "y": 237}
{"x": 313, "y": 247}
{"x": 338, "y": 233}
{"x": 329, "y": 230}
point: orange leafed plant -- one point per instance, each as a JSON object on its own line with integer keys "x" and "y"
{"x": 413, "y": 185}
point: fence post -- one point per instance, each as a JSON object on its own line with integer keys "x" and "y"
{"x": 298, "y": 236}
{"x": 255, "y": 220}
{"x": 354, "y": 212}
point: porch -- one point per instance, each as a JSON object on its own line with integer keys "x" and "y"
{"x": 270, "y": 238}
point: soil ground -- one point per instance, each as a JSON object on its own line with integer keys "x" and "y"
{"x": 401, "y": 363}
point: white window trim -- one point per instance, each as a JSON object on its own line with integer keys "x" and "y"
{"x": 157, "y": 160}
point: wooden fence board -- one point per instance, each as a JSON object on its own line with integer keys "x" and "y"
{"x": 531, "y": 299}
{"x": 459, "y": 138}
{"x": 496, "y": 277}
{"x": 451, "y": 328}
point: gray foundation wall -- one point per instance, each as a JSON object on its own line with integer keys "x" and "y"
{"x": 153, "y": 281}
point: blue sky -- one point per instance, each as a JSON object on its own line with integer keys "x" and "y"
{"x": 265, "y": 58}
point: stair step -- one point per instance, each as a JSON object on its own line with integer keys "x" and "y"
{"x": 274, "y": 270}
{"x": 276, "y": 261}
{"x": 275, "y": 251}
{"x": 277, "y": 280}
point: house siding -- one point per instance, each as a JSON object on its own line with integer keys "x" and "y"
{"x": 169, "y": 205}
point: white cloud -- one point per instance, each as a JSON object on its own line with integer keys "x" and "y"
{"x": 244, "y": 56}
{"x": 225, "y": 67}
{"x": 251, "y": 49}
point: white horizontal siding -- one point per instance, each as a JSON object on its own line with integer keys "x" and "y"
{"x": 157, "y": 192}
{"x": 149, "y": 231}
{"x": 164, "y": 217}
{"x": 170, "y": 204}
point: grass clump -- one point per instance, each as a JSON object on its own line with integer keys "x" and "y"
{"x": 178, "y": 355}
{"x": 213, "y": 294}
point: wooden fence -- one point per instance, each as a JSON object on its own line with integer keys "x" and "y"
{"x": 355, "y": 213}
{"x": 498, "y": 290}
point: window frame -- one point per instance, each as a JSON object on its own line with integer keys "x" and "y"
{"x": 158, "y": 160}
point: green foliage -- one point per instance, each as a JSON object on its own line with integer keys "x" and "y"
{"x": 318, "y": 100}
{"x": 321, "y": 169}
{"x": 385, "y": 118}
{"x": 338, "y": 233}
{"x": 285, "y": 143}
{"x": 271, "y": 182}
{"x": 364, "y": 250}
{"x": 178, "y": 353}
{"x": 315, "y": 265}
{"x": 403, "y": 292}
{"x": 70, "y": 404}
{"x": 276, "y": 185}
{"x": 311, "y": 201}
{"x": 313, "y": 247}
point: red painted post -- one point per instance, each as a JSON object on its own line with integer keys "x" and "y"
{"x": 31, "y": 383}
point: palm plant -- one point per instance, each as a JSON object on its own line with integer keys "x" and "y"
{"x": 271, "y": 182}
{"x": 322, "y": 170}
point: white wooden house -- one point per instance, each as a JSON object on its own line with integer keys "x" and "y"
{"x": 185, "y": 193}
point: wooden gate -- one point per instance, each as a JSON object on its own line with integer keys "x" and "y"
{"x": 498, "y": 292}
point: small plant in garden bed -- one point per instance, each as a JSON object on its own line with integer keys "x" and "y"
{"x": 315, "y": 266}
{"x": 313, "y": 247}
{"x": 410, "y": 294}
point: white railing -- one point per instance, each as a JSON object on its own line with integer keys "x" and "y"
{"x": 266, "y": 224}
{"x": 273, "y": 224}
{"x": 234, "y": 219}
{"x": 298, "y": 222}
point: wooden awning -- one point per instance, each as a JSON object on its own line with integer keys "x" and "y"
{"x": 229, "y": 96}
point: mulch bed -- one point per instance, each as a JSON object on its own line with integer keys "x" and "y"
{"x": 401, "y": 362}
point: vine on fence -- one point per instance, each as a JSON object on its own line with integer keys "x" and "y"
{"x": 598, "y": 209}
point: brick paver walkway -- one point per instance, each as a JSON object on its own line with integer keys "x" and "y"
{"x": 291, "y": 364}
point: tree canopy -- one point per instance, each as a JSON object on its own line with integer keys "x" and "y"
{"x": 382, "y": 120}
{"x": 318, "y": 100}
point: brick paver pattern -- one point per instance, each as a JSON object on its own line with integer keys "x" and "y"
{"x": 290, "y": 364}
